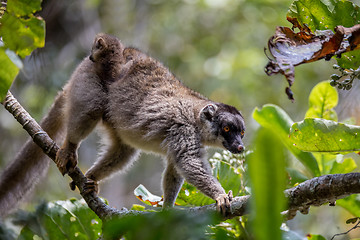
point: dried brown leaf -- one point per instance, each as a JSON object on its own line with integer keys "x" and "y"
{"x": 290, "y": 48}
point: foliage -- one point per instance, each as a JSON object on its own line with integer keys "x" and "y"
{"x": 229, "y": 169}
{"x": 267, "y": 175}
{"x": 267, "y": 159}
{"x": 320, "y": 135}
{"x": 158, "y": 226}
{"x": 21, "y": 32}
{"x": 321, "y": 15}
{"x": 276, "y": 119}
{"x": 70, "y": 219}
{"x": 315, "y": 41}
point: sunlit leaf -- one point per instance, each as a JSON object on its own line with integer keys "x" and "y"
{"x": 323, "y": 15}
{"x": 267, "y": 176}
{"x": 346, "y": 166}
{"x": 22, "y": 35}
{"x": 351, "y": 204}
{"x": 276, "y": 119}
{"x": 147, "y": 197}
{"x": 326, "y": 15}
{"x": 323, "y": 98}
{"x": 8, "y": 71}
{"x": 320, "y": 135}
{"x": 23, "y": 7}
{"x": 190, "y": 195}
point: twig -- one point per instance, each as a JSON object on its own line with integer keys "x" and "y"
{"x": 344, "y": 233}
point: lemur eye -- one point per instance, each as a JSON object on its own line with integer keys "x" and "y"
{"x": 242, "y": 133}
{"x": 226, "y": 129}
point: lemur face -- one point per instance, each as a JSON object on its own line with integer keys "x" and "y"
{"x": 231, "y": 128}
{"x": 226, "y": 126}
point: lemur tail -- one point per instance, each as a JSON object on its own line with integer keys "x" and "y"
{"x": 30, "y": 165}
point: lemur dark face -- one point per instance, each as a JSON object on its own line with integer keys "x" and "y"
{"x": 226, "y": 124}
{"x": 231, "y": 127}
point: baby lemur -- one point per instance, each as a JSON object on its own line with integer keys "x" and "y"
{"x": 144, "y": 106}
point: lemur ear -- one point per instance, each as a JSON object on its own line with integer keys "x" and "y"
{"x": 208, "y": 112}
{"x": 100, "y": 43}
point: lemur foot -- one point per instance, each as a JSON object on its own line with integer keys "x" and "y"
{"x": 223, "y": 203}
{"x": 91, "y": 186}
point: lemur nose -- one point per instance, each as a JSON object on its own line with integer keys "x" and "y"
{"x": 240, "y": 148}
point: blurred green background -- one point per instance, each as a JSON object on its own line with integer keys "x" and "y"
{"x": 215, "y": 47}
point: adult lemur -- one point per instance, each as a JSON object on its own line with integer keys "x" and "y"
{"x": 142, "y": 106}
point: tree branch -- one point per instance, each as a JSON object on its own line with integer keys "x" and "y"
{"x": 313, "y": 192}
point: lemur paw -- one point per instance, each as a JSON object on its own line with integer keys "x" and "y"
{"x": 66, "y": 159}
{"x": 223, "y": 202}
{"x": 89, "y": 186}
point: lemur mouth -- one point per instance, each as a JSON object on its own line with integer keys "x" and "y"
{"x": 235, "y": 149}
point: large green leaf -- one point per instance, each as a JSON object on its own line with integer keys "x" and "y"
{"x": 70, "y": 219}
{"x": 320, "y": 135}
{"x": 323, "y": 98}
{"x": 276, "y": 119}
{"x": 323, "y": 15}
{"x": 267, "y": 178}
{"x": 8, "y": 70}
{"x": 22, "y": 35}
{"x": 23, "y": 7}
{"x": 326, "y": 15}
{"x": 351, "y": 203}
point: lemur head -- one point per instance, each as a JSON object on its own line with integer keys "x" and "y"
{"x": 105, "y": 47}
{"x": 224, "y": 125}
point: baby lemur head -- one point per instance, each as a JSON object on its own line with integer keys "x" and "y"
{"x": 106, "y": 50}
{"x": 224, "y": 125}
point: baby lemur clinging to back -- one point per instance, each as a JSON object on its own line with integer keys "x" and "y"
{"x": 148, "y": 108}
{"x": 144, "y": 106}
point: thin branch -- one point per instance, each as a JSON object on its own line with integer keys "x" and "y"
{"x": 313, "y": 192}
{"x": 344, "y": 233}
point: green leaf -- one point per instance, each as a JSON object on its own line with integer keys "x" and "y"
{"x": 226, "y": 168}
{"x": 323, "y": 15}
{"x": 8, "y": 71}
{"x": 349, "y": 60}
{"x": 164, "y": 225}
{"x": 70, "y": 219}
{"x": 346, "y": 166}
{"x": 323, "y": 98}
{"x": 320, "y": 135}
{"x": 22, "y": 35}
{"x": 351, "y": 204}
{"x": 190, "y": 195}
{"x": 267, "y": 178}
{"x": 276, "y": 119}
{"x": 23, "y": 7}
{"x": 296, "y": 176}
